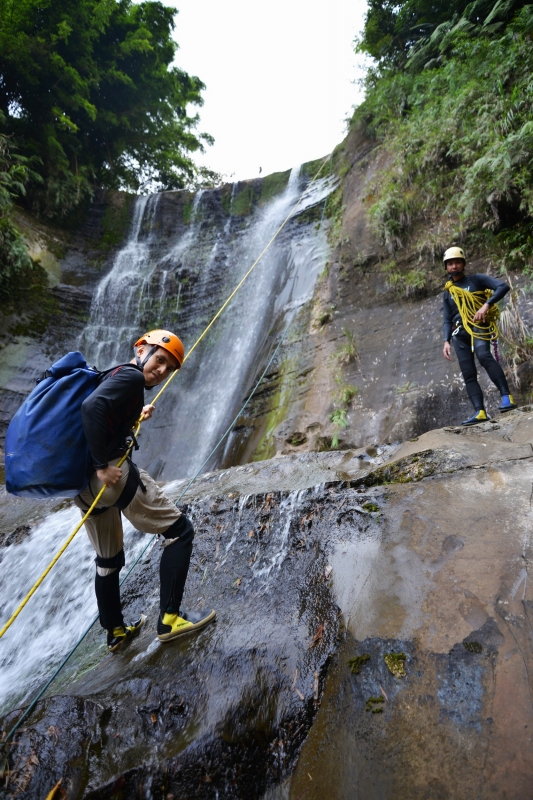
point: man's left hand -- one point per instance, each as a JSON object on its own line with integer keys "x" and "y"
{"x": 147, "y": 412}
{"x": 480, "y": 315}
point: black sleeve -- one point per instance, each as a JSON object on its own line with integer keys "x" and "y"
{"x": 448, "y": 317}
{"x": 500, "y": 288}
{"x": 99, "y": 422}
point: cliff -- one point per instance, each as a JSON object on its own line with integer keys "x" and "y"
{"x": 374, "y": 620}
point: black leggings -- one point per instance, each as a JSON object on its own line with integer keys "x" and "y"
{"x": 463, "y": 347}
{"x": 173, "y": 571}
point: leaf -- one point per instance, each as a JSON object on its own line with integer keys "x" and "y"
{"x": 54, "y": 794}
{"x": 154, "y": 718}
{"x": 317, "y": 638}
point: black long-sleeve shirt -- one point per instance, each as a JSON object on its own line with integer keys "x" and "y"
{"x": 472, "y": 283}
{"x": 110, "y": 412}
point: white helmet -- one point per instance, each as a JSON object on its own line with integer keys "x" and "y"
{"x": 454, "y": 252}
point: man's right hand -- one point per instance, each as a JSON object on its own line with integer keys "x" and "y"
{"x": 110, "y": 475}
{"x": 446, "y": 350}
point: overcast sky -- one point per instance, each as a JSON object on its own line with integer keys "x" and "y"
{"x": 279, "y": 77}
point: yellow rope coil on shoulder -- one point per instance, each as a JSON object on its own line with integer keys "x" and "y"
{"x": 468, "y": 303}
{"x": 156, "y": 398}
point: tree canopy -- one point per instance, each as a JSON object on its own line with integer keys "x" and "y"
{"x": 87, "y": 87}
{"x": 395, "y": 29}
{"x": 450, "y": 98}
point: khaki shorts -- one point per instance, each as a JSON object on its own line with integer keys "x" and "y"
{"x": 148, "y": 512}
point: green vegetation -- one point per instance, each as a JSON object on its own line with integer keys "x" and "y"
{"x": 273, "y": 185}
{"x": 348, "y": 352}
{"x": 396, "y": 664}
{"x": 473, "y": 647}
{"x": 243, "y": 201}
{"x": 357, "y": 662}
{"x": 406, "y": 470}
{"x": 375, "y": 704}
{"x": 450, "y": 97}
{"x": 16, "y": 267}
{"x": 116, "y": 219}
{"x": 370, "y": 507}
{"x": 88, "y": 88}
{"x": 89, "y": 97}
{"x": 345, "y": 391}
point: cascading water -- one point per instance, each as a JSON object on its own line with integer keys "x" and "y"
{"x": 57, "y": 615}
{"x": 150, "y": 285}
{"x": 175, "y": 274}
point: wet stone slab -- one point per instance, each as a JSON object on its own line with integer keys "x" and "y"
{"x": 421, "y": 564}
{"x": 223, "y": 713}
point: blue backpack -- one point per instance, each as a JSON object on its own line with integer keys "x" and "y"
{"x": 46, "y": 450}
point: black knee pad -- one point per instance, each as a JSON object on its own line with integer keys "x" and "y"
{"x": 181, "y": 529}
{"x": 107, "y": 588}
{"x": 115, "y": 562}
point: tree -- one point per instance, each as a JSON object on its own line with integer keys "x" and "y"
{"x": 88, "y": 87}
{"x": 15, "y": 263}
{"x": 394, "y": 30}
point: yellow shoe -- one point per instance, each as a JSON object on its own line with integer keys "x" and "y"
{"x": 507, "y": 403}
{"x": 479, "y": 416}
{"x": 118, "y": 636}
{"x": 170, "y": 626}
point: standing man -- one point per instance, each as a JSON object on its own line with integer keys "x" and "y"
{"x": 108, "y": 416}
{"x": 469, "y": 314}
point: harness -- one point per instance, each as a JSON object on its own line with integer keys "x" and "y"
{"x": 468, "y": 303}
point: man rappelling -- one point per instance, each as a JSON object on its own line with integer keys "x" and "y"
{"x": 108, "y": 416}
{"x": 470, "y": 314}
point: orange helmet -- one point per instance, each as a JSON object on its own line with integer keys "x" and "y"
{"x": 165, "y": 339}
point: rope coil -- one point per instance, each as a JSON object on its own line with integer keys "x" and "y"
{"x": 468, "y": 304}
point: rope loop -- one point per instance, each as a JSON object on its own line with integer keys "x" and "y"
{"x": 468, "y": 304}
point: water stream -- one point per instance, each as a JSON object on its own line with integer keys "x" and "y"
{"x": 150, "y": 284}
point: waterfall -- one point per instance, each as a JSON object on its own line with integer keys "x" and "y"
{"x": 57, "y": 615}
{"x": 180, "y": 262}
{"x": 175, "y": 275}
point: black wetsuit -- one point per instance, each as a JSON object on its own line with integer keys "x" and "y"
{"x": 454, "y": 331}
{"x": 110, "y": 412}
{"x": 108, "y": 416}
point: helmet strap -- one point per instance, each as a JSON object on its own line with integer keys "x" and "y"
{"x": 145, "y": 359}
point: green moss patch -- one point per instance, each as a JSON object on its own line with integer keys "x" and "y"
{"x": 396, "y": 664}
{"x": 243, "y": 201}
{"x": 406, "y": 470}
{"x": 357, "y": 662}
{"x": 116, "y": 219}
{"x": 273, "y": 185}
{"x": 473, "y": 647}
{"x": 375, "y": 705}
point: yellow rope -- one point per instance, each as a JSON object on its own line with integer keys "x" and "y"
{"x": 468, "y": 303}
{"x": 156, "y": 398}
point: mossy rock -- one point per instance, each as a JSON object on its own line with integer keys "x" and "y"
{"x": 357, "y": 662}
{"x": 116, "y": 219}
{"x": 396, "y": 664}
{"x": 272, "y": 185}
{"x": 407, "y": 470}
{"x": 310, "y": 169}
{"x": 375, "y": 704}
{"x": 473, "y": 647}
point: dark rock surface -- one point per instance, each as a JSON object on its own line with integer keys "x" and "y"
{"x": 421, "y": 562}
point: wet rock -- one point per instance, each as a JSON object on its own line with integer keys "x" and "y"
{"x": 14, "y": 537}
{"x": 430, "y": 574}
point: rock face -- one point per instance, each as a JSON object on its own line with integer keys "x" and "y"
{"x": 75, "y": 260}
{"x": 411, "y": 565}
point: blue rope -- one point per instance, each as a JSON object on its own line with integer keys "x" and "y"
{"x": 143, "y": 551}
